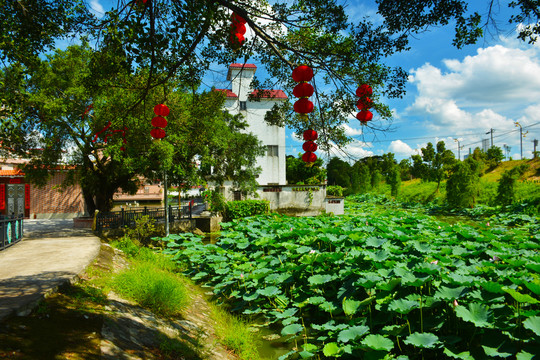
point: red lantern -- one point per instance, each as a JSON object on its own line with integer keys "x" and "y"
{"x": 303, "y": 106}
{"x": 161, "y": 110}
{"x": 309, "y": 146}
{"x": 237, "y": 39}
{"x": 310, "y": 135}
{"x": 238, "y": 28}
{"x": 364, "y": 115}
{"x": 364, "y": 90}
{"x": 159, "y": 122}
{"x": 302, "y": 73}
{"x": 309, "y": 157}
{"x": 238, "y": 19}
{"x": 303, "y": 89}
{"x": 364, "y": 104}
{"x": 157, "y": 133}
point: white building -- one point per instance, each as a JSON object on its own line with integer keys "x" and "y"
{"x": 271, "y": 136}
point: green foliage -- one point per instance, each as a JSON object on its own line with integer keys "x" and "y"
{"x": 300, "y": 172}
{"x": 379, "y": 280}
{"x": 339, "y": 173}
{"x": 215, "y": 200}
{"x": 158, "y": 290}
{"x": 506, "y": 190}
{"x": 462, "y": 187}
{"x": 142, "y": 232}
{"x": 393, "y": 178}
{"x": 334, "y": 190}
{"x": 245, "y": 208}
{"x": 435, "y": 163}
{"x": 494, "y": 157}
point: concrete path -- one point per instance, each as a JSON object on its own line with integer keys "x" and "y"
{"x": 51, "y": 254}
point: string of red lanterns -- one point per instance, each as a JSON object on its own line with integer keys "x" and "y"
{"x": 159, "y": 122}
{"x": 238, "y": 29}
{"x": 302, "y": 74}
{"x": 364, "y": 103}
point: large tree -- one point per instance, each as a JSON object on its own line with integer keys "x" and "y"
{"x": 436, "y": 162}
{"x": 58, "y": 116}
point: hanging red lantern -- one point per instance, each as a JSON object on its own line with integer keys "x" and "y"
{"x": 238, "y": 28}
{"x": 237, "y": 39}
{"x": 364, "y": 90}
{"x": 310, "y": 135}
{"x": 309, "y": 157}
{"x": 364, "y": 104}
{"x": 309, "y": 146}
{"x": 161, "y": 110}
{"x": 302, "y": 73}
{"x": 303, "y": 89}
{"x": 303, "y": 106}
{"x": 159, "y": 122}
{"x": 364, "y": 115}
{"x": 238, "y": 19}
{"x": 157, "y": 133}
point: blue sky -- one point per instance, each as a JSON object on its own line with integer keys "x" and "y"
{"x": 452, "y": 95}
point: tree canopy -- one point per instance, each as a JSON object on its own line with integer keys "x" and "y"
{"x": 165, "y": 39}
{"x": 57, "y": 117}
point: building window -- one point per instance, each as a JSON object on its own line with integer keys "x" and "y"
{"x": 273, "y": 150}
{"x": 237, "y": 195}
{"x": 243, "y": 105}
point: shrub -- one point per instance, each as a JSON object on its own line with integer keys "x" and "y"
{"x": 158, "y": 290}
{"x": 143, "y": 230}
{"x": 215, "y": 200}
{"x": 334, "y": 190}
{"x": 506, "y": 190}
{"x": 462, "y": 186}
{"x": 245, "y": 208}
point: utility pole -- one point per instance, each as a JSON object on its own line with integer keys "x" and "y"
{"x": 521, "y": 135}
{"x": 491, "y": 132}
{"x": 535, "y": 144}
{"x": 458, "y": 151}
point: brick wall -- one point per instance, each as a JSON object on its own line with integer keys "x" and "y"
{"x": 54, "y": 201}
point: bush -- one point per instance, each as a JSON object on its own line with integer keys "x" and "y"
{"x": 215, "y": 200}
{"x": 144, "y": 229}
{"x": 462, "y": 187}
{"x": 245, "y": 208}
{"x": 334, "y": 190}
{"x": 506, "y": 190}
{"x": 158, "y": 290}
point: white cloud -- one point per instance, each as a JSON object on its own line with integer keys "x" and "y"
{"x": 97, "y": 8}
{"x": 401, "y": 149}
{"x": 349, "y": 131}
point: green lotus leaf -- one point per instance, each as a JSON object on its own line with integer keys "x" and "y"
{"x": 375, "y": 242}
{"x": 478, "y": 314}
{"x": 447, "y": 293}
{"x": 422, "y": 340}
{"x": 292, "y": 329}
{"x": 465, "y": 355}
{"x": 319, "y": 279}
{"x": 306, "y": 354}
{"x": 378, "y": 342}
{"x": 410, "y": 279}
{"x": 269, "y": 291}
{"x": 380, "y": 255}
{"x": 316, "y": 300}
{"x": 331, "y": 349}
{"x": 492, "y": 287}
{"x": 350, "y": 306}
{"x": 534, "y": 286}
{"x": 494, "y": 352}
{"x": 388, "y": 285}
{"x": 533, "y": 324}
{"x": 534, "y": 267}
{"x": 352, "y": 333}
{"x": 519, "y": 297}
{"x": 523, "y": 355}
{"x": 403, "y": 306}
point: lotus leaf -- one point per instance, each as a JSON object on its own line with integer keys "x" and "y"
{"x": 378, "y": 342}
{"x": 422, "y": 340}
{"x": 533, "y": 324}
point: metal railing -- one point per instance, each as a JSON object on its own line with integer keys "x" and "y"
{"x": 11, "y": 231}
{"x": 127, "y": 218}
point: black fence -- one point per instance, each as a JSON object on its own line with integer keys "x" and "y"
{"x": 11, "y": 231}
{"x": 127, "y": 218}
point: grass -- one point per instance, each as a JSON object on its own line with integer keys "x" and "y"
{"x": 156, "y": 289}
{"x": 235, "y": 334}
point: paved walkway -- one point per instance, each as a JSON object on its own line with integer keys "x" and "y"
{"x": 51, "y": 253}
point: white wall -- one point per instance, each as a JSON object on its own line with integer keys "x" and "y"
{"x": 273, "y": 167}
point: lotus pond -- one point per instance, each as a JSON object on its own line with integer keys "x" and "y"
{"x": 379, "y": 282}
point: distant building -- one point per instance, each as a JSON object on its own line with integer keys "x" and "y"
{"x": 273, "y": 137}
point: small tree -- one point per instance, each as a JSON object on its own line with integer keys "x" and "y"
{"x": 494, "y": 157}
{"x": 364, "y": 178}
{"x": 299, "y": 171}
{"x": 506, "y": 190}
{"x": 393, "y": 178}
{"x": 462, "y": 187}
